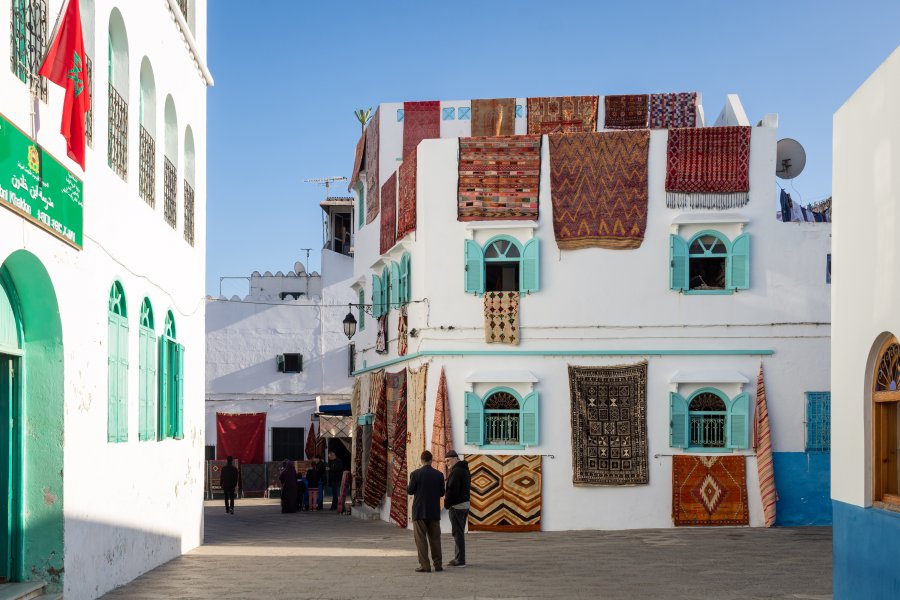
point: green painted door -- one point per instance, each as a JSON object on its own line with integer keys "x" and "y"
{"x": 10, "y": 531}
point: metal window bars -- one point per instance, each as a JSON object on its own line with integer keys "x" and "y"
{"x": 117, "y": 146}
{"x": 183, "y": 5}
{"x": 27, "y": 40}
{"x": 188, "y": 213}
{"x": 818, "y": 421}
{"x": 89, "y": 115}
{"x": 170, "y": 192}
{"x": 147, "y": 167}
{"x": 707, "y": 431}
{"x": 502, "y": 429}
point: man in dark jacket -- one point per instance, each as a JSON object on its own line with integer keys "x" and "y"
{"x": 456, "y": 500}
{"x": 335, "y": 474}
{"x": 229, "y": 481}
{"x": 426, "y": 484}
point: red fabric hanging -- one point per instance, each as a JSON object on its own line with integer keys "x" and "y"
{"x": 311, "y": 440}
{"x": 242, "y": 436}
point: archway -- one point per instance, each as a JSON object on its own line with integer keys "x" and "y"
{"x": 33, "y": 444}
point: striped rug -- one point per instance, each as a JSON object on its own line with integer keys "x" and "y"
{"x": 415, "y": 411}
{"x": 506, "y": 493}
{"x": 764, "y": 467}
{"x": 441, "y": 430}
{"x": 499, "y": 177}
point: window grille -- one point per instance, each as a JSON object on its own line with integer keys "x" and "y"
{"x": 501, "y": 419}
{"x": 27, "y": 40}
{"x": 147, "y": 167}
{"x": 707, "y": 421}
{"x": 818, "y": 421}
{"x": 117, "y": 149}
{"x": 183, "y": 5}
{"x": 188, "y": 213}
{"x": 170, "y": 183}
{"x": 89, "y": 115}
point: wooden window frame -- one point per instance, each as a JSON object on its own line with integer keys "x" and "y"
{"x": 884, "y": 402}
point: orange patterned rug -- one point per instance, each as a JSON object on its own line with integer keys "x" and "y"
{"x": 562, "y": 114}
{"x": 709, "y": 490}
{"x": 506, "y": 493}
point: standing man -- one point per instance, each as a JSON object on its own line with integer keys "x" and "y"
{"x": 459, "y": 486}
{"x": 229, "y": 480}
{"x": 427, "y": 485}
{"x": 335, "y": 474}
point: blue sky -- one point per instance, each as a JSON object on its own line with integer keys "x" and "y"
{"x": 289, "y": 77}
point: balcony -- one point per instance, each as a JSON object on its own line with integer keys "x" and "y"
{"x": 170, "y": 188}
{"x": 117, "y": 148}
{"x": 147, "y": 167}
{"x": 188, "y": 213}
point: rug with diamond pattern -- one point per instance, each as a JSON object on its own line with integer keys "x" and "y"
{"x": 709, "y": 490}
{"x": 506, "y": 493}
{"x": 501, "y": 318}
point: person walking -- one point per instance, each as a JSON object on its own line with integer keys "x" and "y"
{"x": 288, "y": 478}
{"x": 426, "y": 484}
{"x": 229, "y": 481}
{"x": 456, "y": 500}
{"x": 312, "y": 484}
{"x": 335, "y": 474}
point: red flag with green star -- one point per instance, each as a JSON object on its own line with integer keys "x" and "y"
{"x": 66, "y": 66}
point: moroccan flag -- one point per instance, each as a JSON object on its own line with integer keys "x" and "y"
{"x": 66, "y": 66}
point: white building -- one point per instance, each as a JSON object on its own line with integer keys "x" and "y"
{"x": 864, "y": 349}
{"x": 601, "y": 307}
{"x": 102, "y": 273}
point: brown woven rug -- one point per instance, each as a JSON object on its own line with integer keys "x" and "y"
{"x": 501, "y": 318}
{"x": 506, "y": 493}
{"x": 373, "y": 184}
{"x": 708, "y": 167}
{"x": 599, "y": 189}
{"x": 499, "y": 177}
{"x": 406, "y": 195}
{"x": 493, "y": 117}
{"x": 389, "y": 213}
{"x": 709, "y": 490}
{"x": 562, "y": 114}
{"x": 626, "y": 112}
{"x": 609, "y": 425}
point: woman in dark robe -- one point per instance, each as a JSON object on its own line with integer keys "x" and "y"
{"x": 288, "y": 479}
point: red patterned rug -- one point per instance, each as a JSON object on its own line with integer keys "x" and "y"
{"x": 406, "y": 203}
{"x": 499, "y": 177}
{"x": 376, "y": 469}
{"x": 599, "y": 183}
{"x": 626, "y": 112}
{"x": 562, "y": 114}
{"x": 421, "y": 121}
{"x": 372, "y": 181}
{"x": 493, "y": 117}
{"x": 709, "y": 490}
{"x": 673, "y": 110}
{"x": 708, "y": 168}
{"x": 399, "y": 497}
{"x": 389, "y": 213}
{"x": 358, "y": 160}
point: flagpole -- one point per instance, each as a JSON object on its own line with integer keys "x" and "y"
{"x": 46, "y": 50}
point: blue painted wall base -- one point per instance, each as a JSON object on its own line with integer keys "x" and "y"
{"x": 866, "y": 553}
{"x": 803, "y": 481}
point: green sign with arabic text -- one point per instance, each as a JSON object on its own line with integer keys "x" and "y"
{"x": 38, "y": 187}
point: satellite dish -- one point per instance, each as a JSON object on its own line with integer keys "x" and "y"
{"x": 790, "y": 158}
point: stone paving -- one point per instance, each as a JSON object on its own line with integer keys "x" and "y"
{"x": 260, "y": 553}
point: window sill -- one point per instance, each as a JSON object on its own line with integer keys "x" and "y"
{"x": 708, "y": 450}
{"x": 501, "y": 447}
{"x": 888, "y": 506}
{"x": 708, "y": 292}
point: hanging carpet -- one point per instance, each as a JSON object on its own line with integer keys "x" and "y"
{"x": 358, "y": 160}
{"x": 709, "y": 490}
{"x": 494, "y": 117}
{"x": 242, "y": 436}
{"x": 599, "y": 189}
{"x": 499, "y": 177}
{"x": 373, "y": 184}
{"x": 506, "y": 493}
{"x": 441, "y": 429}
{"x": 673, "y": 110}
{"x": 406, "y": 196}
{"x": 421, "y": 121}
{"x": 376, "y": 469}
{"x": 708, "y": 168}
{"x": 609, "y": 425}
{"x": 395, "y": 392}
{"x": 389, "y": 214}
{"x": 312, "y": 442}
{"x": 254, "y": 479}
{"x": 402, "y": 332}
{"x": 399, "y": 472}
{"x": 381, "y": 338}
{"x": 562, "y": 114}
{"x": 335, "y": 426}
{"x": 626, "y": 112}
{"x": 763, "y": 443}
{"x": 501, "y": 318}
{"x": 415, "y": 422}
{"x": 214, "y": 474}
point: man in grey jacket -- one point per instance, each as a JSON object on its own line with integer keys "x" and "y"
{"x": 459, "y": 486}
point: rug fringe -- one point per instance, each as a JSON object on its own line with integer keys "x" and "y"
{"x": 722, "y": 201}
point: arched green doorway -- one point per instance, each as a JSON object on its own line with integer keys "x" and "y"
{"x": 31, "y": 423}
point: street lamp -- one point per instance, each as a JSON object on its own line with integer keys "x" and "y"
{"x": 350, "y": 324}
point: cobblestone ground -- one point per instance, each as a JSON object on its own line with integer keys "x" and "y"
{"x": 260, "y": 553}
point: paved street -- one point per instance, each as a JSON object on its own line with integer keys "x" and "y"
{"x": 260, "y": 553}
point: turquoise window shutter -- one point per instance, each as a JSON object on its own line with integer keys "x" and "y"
{"x": 474, "y": 276}
{"x": 376, "y": 296}
{"x": 395, "y": 285}
{"x": 362, "y": 312}
{"x": 678, "y": 263}
{"x": 678, "y": 421}
{"x": 738, "y": 430}
{"x": 474, "y": 420}
{"x": 405, "y": 288}
{"x": 739, "y": 273}
{"x": 122, "y": 373}
{"x": 147, "y": 389}
{"x": 385, "y": 290}
{"x": 818, "y": 421}
{"x": 531, "y": 420}
{"x": 112, "y": 379}
{"x": 163, "y": 390}
{"x": 143, "y": 399}
{"x": 179, "y": 392}
{"x": 530, "y": 280}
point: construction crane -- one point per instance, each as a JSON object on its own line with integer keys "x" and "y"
{"x": 326, "y": 181}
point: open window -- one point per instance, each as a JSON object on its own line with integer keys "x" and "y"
{"x": 502, "y": 419}
{"x": 886, "y": 425}
{"x": 502, "y": 265}
{"x": 709, "y": 419}
{"x": 709, "y": 263}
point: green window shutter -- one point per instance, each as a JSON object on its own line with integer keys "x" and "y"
{"x": 178, "y": 425}
{"x": 678, "y": 421}
{"x": 530, "y": 280}
{"x": 739, "y": 261}
{"x": 474, "y": 420}
{"x": 362, "y": 311}
{"x": 530, "y": 420}
{"x": 738, "y": 430}
{"x": 143, "y": 399}
{"x": 376, "y": 296}
{"x": 147, "y": 389}
{"x": 112, "y": 379}
{"x": 385, "y": 290}
{"x": 678, "y": 263}
{"x": 162, "y": 409}
{"x": 395, "y": 285}
{"x": 405, "y": 291}
{"x": 122, "y": 392}
{"x": 151, "y": 386}
{"x": 474, "y": 268}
